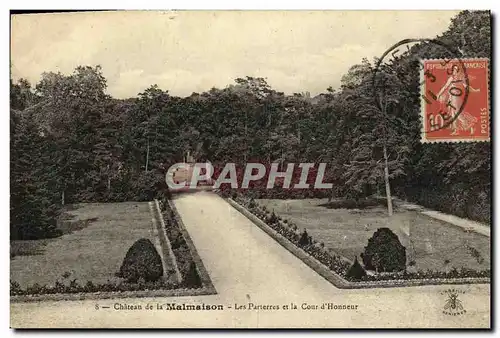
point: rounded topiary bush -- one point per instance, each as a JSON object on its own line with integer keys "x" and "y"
{"x": 141, "y": 261}
{"x": 384, "y": 252}
{"x": 356, "y": 271}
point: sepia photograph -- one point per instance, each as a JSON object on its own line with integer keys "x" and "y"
{"x": 257, "y": 169}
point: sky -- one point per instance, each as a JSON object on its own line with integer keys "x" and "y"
{"x": 193, "y": 51}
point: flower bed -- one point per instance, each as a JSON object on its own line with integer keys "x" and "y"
{"x": 75, "y": 291}
{"x": 338, "y": 265}
{"x": 192, "y": 270}
{"x": 74, "y": 287}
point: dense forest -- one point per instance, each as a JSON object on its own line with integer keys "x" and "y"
{"x": 72, "y": 142}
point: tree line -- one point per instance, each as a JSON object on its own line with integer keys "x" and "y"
{"x": 72, "y": 142}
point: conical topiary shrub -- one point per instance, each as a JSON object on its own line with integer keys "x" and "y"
{"x": 305, "y": 239}
{"x": 384, "y": 252}
{"x": 356, "y": 271}
{"x": 141, "y": 261}
{"x": 252, "y": 204}
{"x": 192, "y": 278}
{"x": 272, "y": 219}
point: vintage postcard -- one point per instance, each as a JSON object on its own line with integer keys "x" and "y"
{"x": 250, "y": 169}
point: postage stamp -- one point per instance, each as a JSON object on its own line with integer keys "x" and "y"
{"x": 455, "y": 100}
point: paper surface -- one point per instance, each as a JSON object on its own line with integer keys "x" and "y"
{"x": 248, "y": 87}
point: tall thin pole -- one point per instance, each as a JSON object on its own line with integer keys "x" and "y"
{"x": 386, "y": 162}
{"x": 147, "y": 157}
{"x": 387, "y": 184}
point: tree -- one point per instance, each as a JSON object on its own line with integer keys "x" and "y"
{"x": 72, "y": 142}
{"x": 21, "y": 95}
{"x": 379, "y": 151}
{"x": 72, "y": 116}
{"x": 33, "y": 207}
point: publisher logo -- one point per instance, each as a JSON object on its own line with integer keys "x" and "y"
{"x": 453, "y": 305}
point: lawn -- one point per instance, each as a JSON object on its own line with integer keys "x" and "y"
{"x": 436, "y": 245}
{"x": 95, "y": 241}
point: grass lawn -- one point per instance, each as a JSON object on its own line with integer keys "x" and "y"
{"x": 436, "y": 245}
{"x": 95, "y": 241}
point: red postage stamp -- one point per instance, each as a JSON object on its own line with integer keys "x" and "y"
{"x": 455, "y": 100}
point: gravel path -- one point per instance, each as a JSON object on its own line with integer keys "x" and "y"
{"x": 466, "y": 224}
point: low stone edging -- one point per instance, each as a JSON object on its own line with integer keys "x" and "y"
{"x": 108, "y": 295}
{"x": 165, "y": 241}
{"x": 202, "y": 271}
{"x": 335, "y": 278}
